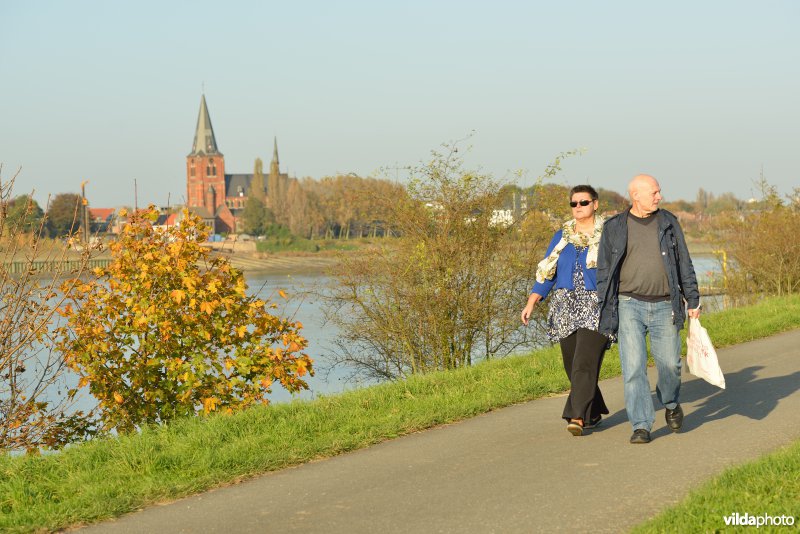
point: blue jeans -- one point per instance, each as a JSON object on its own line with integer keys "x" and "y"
{"x": 638, "y": 318}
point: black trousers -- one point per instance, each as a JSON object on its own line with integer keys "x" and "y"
{"x": 583, "y": 352}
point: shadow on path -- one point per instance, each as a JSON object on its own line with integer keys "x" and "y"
{"x": 745, "y": 395}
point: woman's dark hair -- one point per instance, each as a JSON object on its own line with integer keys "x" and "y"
{"x": 583, "y": 189}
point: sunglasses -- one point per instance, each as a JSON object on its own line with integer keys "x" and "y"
{"x": 574, "y": 204}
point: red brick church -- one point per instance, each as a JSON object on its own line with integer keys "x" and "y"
{"x": 218, "y": 198}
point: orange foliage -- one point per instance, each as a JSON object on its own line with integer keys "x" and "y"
{"x": 149, "y": 352}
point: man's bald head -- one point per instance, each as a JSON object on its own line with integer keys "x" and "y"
{"x": 645, "y": 194}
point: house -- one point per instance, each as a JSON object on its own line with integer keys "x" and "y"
{"x": 101, "y": 219}
{"x": 166, "y": 220}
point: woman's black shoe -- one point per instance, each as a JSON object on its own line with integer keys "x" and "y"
{"x": 593, "y": 422}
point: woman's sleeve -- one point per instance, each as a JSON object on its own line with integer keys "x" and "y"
{"x": 543, "y": 288}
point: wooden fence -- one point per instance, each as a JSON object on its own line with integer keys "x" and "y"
{"x": 52, "y": 266}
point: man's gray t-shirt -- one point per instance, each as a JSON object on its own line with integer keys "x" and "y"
{"x": 642, "y": 274}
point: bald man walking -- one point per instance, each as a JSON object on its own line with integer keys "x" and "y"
{"x": 645, "y": 280}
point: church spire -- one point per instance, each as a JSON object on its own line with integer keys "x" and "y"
{"x": 274, "y": 167}
{"x": 205, "y": 144}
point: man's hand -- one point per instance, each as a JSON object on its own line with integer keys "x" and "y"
{"x": 694, "y": 314}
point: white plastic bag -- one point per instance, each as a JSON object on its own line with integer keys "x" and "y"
{"x": 701, "y": 356}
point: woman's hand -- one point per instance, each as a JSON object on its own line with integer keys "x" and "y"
{"x": 528, "y": 309}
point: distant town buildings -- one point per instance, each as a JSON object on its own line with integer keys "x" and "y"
{"x": 216, "y": 197}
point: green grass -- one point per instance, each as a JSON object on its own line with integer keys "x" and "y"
{"x": 299, "y": 244}
{"x": 770, "y": 485}
{"x": 105, "y": 478}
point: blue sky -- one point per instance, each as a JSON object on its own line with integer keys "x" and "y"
{"x": 699, "y": 94}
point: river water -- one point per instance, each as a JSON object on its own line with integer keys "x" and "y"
{"x": 303, "y": 304}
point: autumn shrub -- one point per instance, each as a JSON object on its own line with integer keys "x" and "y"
{"x": 167, "y": 330}
{"x": 763, "y": 253}
{"x": 33, "y": 415}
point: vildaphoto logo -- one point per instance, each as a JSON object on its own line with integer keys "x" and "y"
{"x": 745, "y": 520}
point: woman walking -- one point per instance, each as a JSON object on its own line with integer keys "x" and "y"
{"x": 570, "y": 266}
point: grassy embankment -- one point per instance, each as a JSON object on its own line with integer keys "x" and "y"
{"x": 105, "y": 478}
{"x": 769, "y": 485}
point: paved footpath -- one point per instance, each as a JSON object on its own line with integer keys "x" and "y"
{"x": 516, "y": 469}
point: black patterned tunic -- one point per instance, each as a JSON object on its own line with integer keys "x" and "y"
{"x": 571, "y": 309}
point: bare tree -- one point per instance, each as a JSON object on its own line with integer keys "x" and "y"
{"x": 36, "y": 408}
{"x": 450, "y": 289}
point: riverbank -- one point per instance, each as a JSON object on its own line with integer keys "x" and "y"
{"x": 279, "y": 264}
{"x": 311, "y": 263}
{"x": 105, "y": 478}
{"x": 243, "y": 256}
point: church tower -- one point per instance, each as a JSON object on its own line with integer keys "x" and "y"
{"x": 274, "y": 166}
{"x": 205, "y": 167}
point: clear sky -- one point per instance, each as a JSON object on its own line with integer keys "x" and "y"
{"x": 697, "y": 93}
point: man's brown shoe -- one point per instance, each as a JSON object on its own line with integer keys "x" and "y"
{"x": 640, "y": 435}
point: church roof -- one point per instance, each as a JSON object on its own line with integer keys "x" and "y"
{"x": 205, "y": 144}
{"x": 237, "y": 185}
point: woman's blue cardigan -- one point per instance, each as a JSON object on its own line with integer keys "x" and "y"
{"x": 563, "y": 277}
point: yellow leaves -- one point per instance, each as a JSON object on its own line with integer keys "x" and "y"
{"x": 302, "y": 367}
{"x": 240, "y": 287}
{"x": 282, "y": 293}
{"x": 210, "y": 404}
{"x": 186, "y": 338}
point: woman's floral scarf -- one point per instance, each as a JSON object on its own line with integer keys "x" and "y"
{"x": 546, "y": 269}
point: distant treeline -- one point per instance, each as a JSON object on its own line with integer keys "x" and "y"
{"x": 333, "y": 207}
